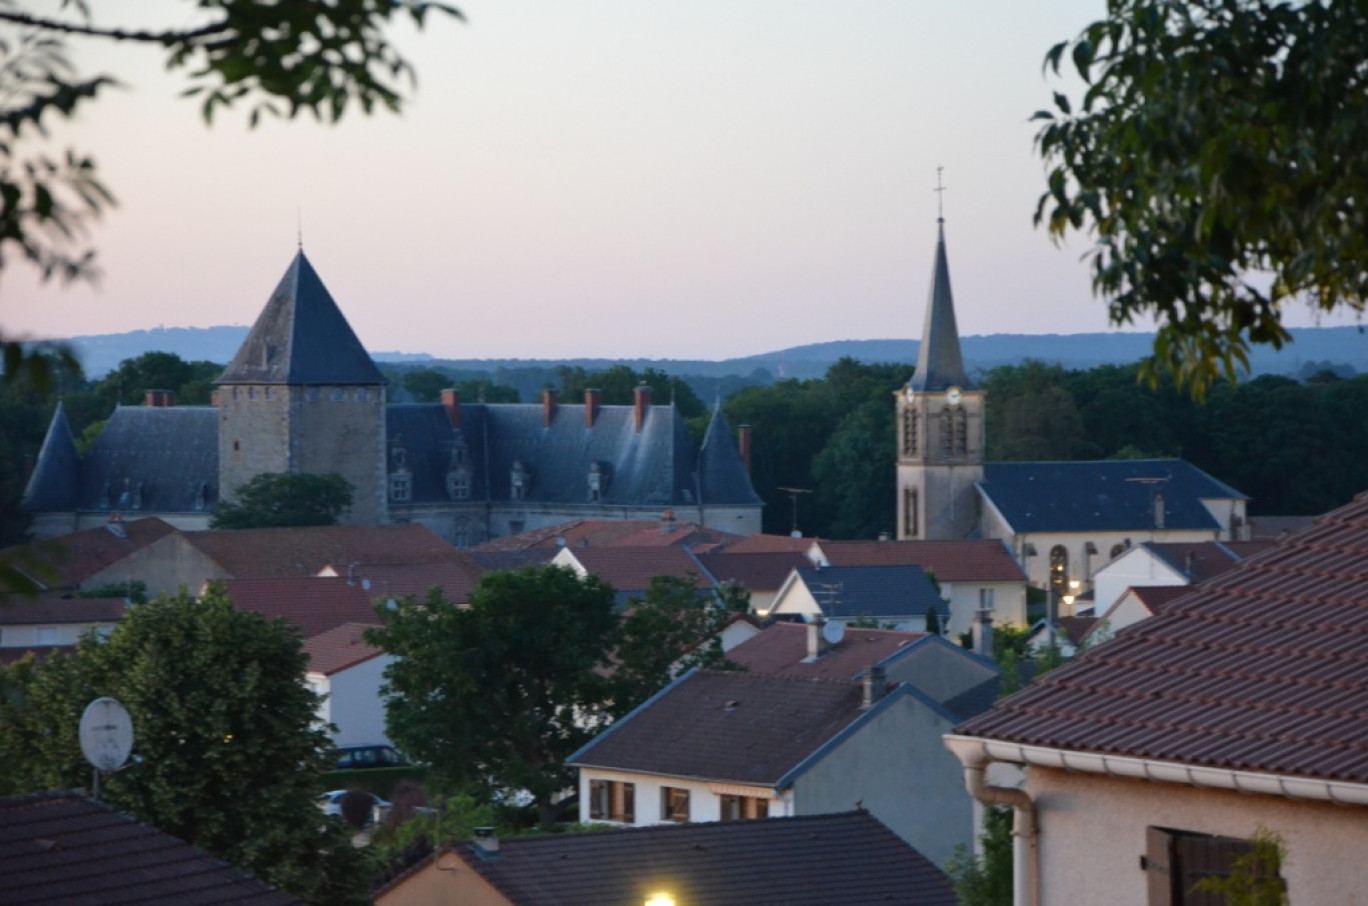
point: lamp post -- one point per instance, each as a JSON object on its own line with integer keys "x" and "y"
{"x": 660, "y": 899}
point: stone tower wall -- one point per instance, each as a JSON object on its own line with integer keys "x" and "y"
{"x": 254, "y": 432}
{"x": 342, "y": 430}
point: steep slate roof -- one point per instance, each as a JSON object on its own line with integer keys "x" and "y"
{"x": 939, "y": 365}
{"x": 759, "y": 571}
{"x": 52, "y": 486}
{"x": 781, "y": 648}
{"x": 159, "y": 459}
{"x": 722, "y": 473}
{"x": 314, "y": 605}
{"x": 817, "y": 860}
{"x": 1262, "y": 669}
{"x": 630, "y": 569}
{"x": 62, "y": 563}
{"x": 48, "y": 611}
{"x": 984, "y": 560}
{"x": 1104, "y": 496}
{"x": 878, "y": 592}
{"x": 339, "y": 648}
{"x": 733, "y": 727}
{"x": 298, "y": 552}
{"x": 301, "y": 337}
{"x": 63, "y": 848}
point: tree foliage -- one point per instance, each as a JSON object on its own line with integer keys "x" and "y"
{"x": 227, "y": 752}
{"x": 1215, "y": 157}
{"x": 618, "y": 385}
{"x": 986, "y": 879}
{"x": 282, "y": 499}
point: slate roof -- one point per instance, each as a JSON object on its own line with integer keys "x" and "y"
{"x": 1263, "y": 668}
{"x": 730, "y": 727}
{"x": 630, "y": 569}
{"x": 304, "y": 551}
{"x": 339, "y": 648}
{"x": 314, "y": 605}
{"x": 722, "y": 472}
{"x": 160, "y": 459}
{"x": 60, "y": 848}
{"x": 1102, "y": 496}
{"x": 984, "y": 560}
{"x": 48, "y": 611}
{"x": 301, "y": 337}
{"x": 758, "y": 571}
{"x": 818, "y": 860}
{"x": 877, "y": 592}
{"x": 1201, "y": 560}
{"x": 939, "y": 365}
{"x": 780, "y": 650}
{"x": 50, "y": 488}
{"x": 65, "y": 561}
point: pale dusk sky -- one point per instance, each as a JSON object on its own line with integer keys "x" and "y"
{"x": 609, "y": 178}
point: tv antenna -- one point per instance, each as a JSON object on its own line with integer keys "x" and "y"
{"x": 106, "y": 736}
{"x": 793, "y": 498}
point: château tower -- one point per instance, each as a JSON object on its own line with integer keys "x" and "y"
{"x": 303, "y": 395}
{"x": 940, "y": 426}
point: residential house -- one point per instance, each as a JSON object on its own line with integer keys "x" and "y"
{"x": 64, "y": 848}
{"x": 1138, "y": 603}
{"x": 894, "y": 597}
{"x": 973, "y": 575}
{"x": 760, "y": 574}
{"x": 56, "y": 622}
{"x": 848, "y": 858}
{"x": 725, "y": 745}
{"x": 348, "y": 674}
{"x": 75, "y": 561}
{"x": 1156, "y": 758}
{"x": 1152, "y": 563}
{"x": 313, "y": 604}
{"x": 630, "y": 569}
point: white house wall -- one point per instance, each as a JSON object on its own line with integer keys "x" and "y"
{"x": 1009, "y": 604}
{"x": 1136, "y": 567}
{"x": 355, "y": 704}
{"x": 704, "y": 803}
{"x": 1083, "y": 567}
{"x": 33, "y": 635}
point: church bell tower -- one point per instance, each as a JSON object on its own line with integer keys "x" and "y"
{"x": 940, "y": 426}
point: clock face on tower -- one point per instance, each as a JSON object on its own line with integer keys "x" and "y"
{"x": 952, "y": 396}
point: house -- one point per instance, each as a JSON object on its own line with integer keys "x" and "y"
{"x": 303, "y": 395}
{"x": 1152, "y": 563}
{"x": 719, "y": 745}
{"x": 1061, "y": 520}
{"x": 56, "y": 622}
{"x": 64, "y": 848}
{"x": 973, "y": 574}
{"x": 895, "y": 597}
{"x": 1158, "y": 756}
{"x": 760, "y": 574}
{"x": 630, "y": 569}
{"x": 348, "y": 674}
{"x": 68, "y": 563}
{"x": 313, "y": 604}
{"x": 1138, "y": 603}
{"x": 847, "y": 858}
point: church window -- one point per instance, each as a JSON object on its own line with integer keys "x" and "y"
{"x": 947, "y": 430}
{"x": 909, "y": 431}
{"x": 961, "y": 442}
{"x": 1059, "y": 570}
{"x": 910, "y": 526}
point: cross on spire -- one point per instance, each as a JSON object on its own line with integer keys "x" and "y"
{"x": 940, "y": 196}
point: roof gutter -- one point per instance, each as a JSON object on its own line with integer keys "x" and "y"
{"x": 974, "y": 756}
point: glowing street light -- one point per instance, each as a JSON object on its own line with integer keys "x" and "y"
{"x": 660, "y": 899}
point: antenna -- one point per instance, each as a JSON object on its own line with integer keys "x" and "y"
{"x": 793, "y": 496}
{"x": 106, "y": 733}
{"x": 940, "y": 195}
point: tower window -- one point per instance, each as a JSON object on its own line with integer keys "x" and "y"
{"x": 909, "y": 426}
{"x": 910, "y": 526}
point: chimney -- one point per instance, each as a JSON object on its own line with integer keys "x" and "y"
{"x": 875, "y": 686}
{"x": 1191, "y": 564}
{"x": 548, "y": 406}
{"x": 159, "y": 398}
{"x": 486, "y": 842}
{"x": 983, "y": 633}
{"x": 815, "y": 642}
{"x": 214, "y": 398}
{"x": 743, "y": 444}
{"x": 591, "y": 406}
{"x": 642, "y": 396}
{"x": 451, "y": 402}
{"x": 667, "y": 522}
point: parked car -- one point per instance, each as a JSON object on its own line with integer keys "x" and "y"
{"x": 331, "y": 804}
{"x": 354, "y": 758}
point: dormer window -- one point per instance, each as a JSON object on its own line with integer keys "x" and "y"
{"x": 518, "y": 481}
{"x": 598, "y": 481}
{"x": 458, "y": 484}
{"x": 401, "y": 487}
{"x": 200, "y": 496}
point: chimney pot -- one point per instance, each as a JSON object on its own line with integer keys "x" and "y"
{"x": 875, "y": 685}
{"x": 548, "y": 406}
{"x": 451, "y": 402}
{"x": 159, "y": 398}
{"x": 486, "y": 841}
{"x": 591, "y": 407}
{"x": 642, "y": 403}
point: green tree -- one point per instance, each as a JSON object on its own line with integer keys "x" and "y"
{"x": 425, "y": 385}
{"x": 618, "y": 385}
{"x": 228, "y": 754}
{"x": 191, "y": 382}
{"x": 985, "y": 880}
{"x": 497, "y": 693}
{"x": 1215, "y": 159}
{"x": 280, "y": 499}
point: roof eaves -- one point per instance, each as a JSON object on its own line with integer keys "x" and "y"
{"x": 861, "y": 720}
{"x": 574, "y": 759}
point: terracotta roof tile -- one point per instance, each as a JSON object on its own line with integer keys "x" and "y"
{"x": 757, "y": 571}
{"x": 950, "y": 561}
{"x": 771, "y": 544}
{"x": 339, "y": 648}
{"x": 64, "y": 562}
{"x": 399, "y": 580}
{"x": 294, "y": 552}
{"x": 630, "y": 569}
{"x": 781, "y": 648}
{"x": 1264, "y": 668}
{"x": 314, "y": 604}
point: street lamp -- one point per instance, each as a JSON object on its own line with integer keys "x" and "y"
{"x": 660, "y": 899}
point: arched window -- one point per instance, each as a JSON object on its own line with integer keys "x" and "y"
{"x": 909, "y": 513}
{"x": 1059, "y": 570}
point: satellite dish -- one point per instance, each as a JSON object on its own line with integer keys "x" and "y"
{"x": 365, "y": 584}
{"x": 106, "y": 734}
{"x": 833, "y": 631}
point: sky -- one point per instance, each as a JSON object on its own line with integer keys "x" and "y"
{"x": 607, "y": 178}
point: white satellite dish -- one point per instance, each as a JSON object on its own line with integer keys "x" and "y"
{"x": 833, "y": 631}
{"x": 106, "y": 734}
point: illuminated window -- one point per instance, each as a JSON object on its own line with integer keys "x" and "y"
{"x": 674, "y": 804}
{"x": 612, "y": 800}
{"x": 743, "y": 808}
{"x": 1059, "y": 570}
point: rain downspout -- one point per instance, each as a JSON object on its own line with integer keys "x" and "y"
{"x": 1025, "y": 828}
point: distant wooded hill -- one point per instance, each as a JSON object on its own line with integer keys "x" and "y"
{"x": 1341, "y": 348}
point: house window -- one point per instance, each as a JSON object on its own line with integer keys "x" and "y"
{"x": 986, "y": 598}
{"x": 1059, "y": 570}
{"x": 1182, "y": 867}
{"x": 458, "y": 484}
{"x": 269, "y": 393}
{"x": 743, "y": 808}
{"x": 251, "y": 393}
{"x": 45, "y": 635}
{"x": 674, "y": 804}
{"x": 362, "y": 395}
{"x": 612, "y": 800}
{"x": 518, "y": 480}
{"x": 338, "y": 394}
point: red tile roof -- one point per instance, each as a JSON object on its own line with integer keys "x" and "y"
{"x": 339, "y": 648}
{"x": 757, "y": 571}
{"x": 315, "y": 604}
{"x": 63, "y": 848}
{"x": 771, "y": 544}
{"x": 22, "y": 612}
{"x": 630, "y": 569}
{"x": 395, "y": 580}
{"x": 581, "y": 533}
{"x": 780, "y": 649}
{"x": 65, "y": 561}
{"x": 1157, "y": 598}
{"x": 950, "y": 561}
{"x": 1261, "y": 669}
{"x": 295, "y": 552}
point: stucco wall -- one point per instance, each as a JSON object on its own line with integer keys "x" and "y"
{"x": 164, "y": 565}
{"x": 704, "y": 803}
{"x": 448, "y": 882}
{"x": 1093, "y": 835}
{"x": 1137, "y": 566}
{"x": 355, "y": 703}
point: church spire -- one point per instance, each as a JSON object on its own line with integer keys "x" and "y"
{"x": 939, "y": 365}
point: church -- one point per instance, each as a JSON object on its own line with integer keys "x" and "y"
{"x": 1061, "y": 520}
{"x": 303, "y": 395}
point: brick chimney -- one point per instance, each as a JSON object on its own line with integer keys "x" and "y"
{"x": 451, "y": 402}
{"x": 548, "y": 406}
{"x": 642, "y": 396}
{"x": 159, "y": 398}
{"x": 591, "y": 406}
{"x": 743, "y": 444}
